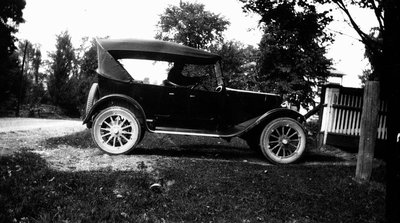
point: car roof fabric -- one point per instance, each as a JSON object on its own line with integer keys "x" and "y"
{"x": 110, "y": 50}
{"x": 156, "y": 50}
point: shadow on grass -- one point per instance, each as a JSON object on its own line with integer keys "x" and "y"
{"x": 78, "y": 139}
{"x": 191, "y": 192}
{"x": 32, "y": 192}
{"x": 188, "y": 146}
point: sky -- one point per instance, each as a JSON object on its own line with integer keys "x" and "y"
{"x": 44, "y": 19}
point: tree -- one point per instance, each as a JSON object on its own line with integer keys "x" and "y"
{"x": 33, "y": 60}
{"x": 292, "y": 61}
{"x": 191, "y": 25}
{"x": 10, "y": 18}
{"x": 372, "y": 39}
{"x": 62, "y": 68}
{"x": 391, "y": 92}
{"x": 32, "y": 82}
{"x": 383, "y": 51}
{"x": 87, "y": 72}
{"x": 238, "y": 64}
{"x": 374, "y": 56}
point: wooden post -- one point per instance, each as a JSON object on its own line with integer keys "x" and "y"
{"x": 331, "y": 98}
{"x": 368, "y": 131}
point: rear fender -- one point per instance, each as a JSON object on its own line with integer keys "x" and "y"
{"x": 110, "y": 99}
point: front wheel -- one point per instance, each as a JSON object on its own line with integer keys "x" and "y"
{"x": 116, "y": 130}
{"x": 283, "y": 141}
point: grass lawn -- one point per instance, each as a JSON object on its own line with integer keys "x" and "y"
{"x": 193, "y": 190}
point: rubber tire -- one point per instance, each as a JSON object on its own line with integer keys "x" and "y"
{"x": 99, "y": 123}
{"x": 93, "y": 96}
{"x": 283, "y": 123}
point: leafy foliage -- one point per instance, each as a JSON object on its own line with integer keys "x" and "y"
{"x": 33, "y": 60}
{"x": 191, "y": 25}
{"x": 292, "y": 61}
{"x": 33, "y": 91}
{"x": 61, "y": 69}
{"x": 87, "y": 73}
{"x": 238, "y": 64}
{"x": 10, "y": 17}
{"x": 73, "y": 72}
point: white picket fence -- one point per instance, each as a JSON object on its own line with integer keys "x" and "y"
{"x": 341, "y": 114}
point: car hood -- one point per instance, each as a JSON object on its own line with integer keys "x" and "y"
{"x": 250, "y": 104}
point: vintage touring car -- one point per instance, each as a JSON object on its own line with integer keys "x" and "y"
{"x": 137, "y": 92}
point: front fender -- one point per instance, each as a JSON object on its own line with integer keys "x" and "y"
{"x": 281, "y": 112}
{"x": 271, "y": 115}
{"x": 104, "y": 101}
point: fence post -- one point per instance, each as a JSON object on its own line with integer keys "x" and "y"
{"x": 368, "y": 131}
{"x": 331, "y": 98}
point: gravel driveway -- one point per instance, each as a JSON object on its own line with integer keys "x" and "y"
{"x": 31, "y": 134}
{"x": 34, "y": 135}
{"x": 24, "y": 124}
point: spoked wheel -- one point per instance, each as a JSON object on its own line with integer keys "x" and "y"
{"x": 116, "y": 130}
{"x": 283, "y": 141}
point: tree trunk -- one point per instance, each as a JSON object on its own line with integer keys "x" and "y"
{"x": 390, "y": 82}
{"x": 19, "y": 102}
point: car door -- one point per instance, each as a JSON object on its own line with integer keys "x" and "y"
{"x": 172, "y": 109}
{"x": 205, "y": 109}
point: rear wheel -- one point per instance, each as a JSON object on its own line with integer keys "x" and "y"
{"x": 283, "y": 141}
{"x": 116, "y": 130}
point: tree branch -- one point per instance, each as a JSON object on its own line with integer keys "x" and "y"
{"x": 378, "y": 14}
{"x": 366, "y": 39}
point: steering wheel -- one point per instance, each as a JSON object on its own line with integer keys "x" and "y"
{"x": 219, "y": 88}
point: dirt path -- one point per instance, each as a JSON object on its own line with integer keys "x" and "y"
{"x": 67, "y": 146}
{"x": 18, "y": 133}
{"x": 25, "y": 124}
{"x": 31, "y": 134}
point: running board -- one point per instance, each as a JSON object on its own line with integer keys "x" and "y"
{"x": 227, "y": 133}
{"x": 189, "y": 133}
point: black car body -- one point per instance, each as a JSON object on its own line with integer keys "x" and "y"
{"x": 122, "y": 106}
